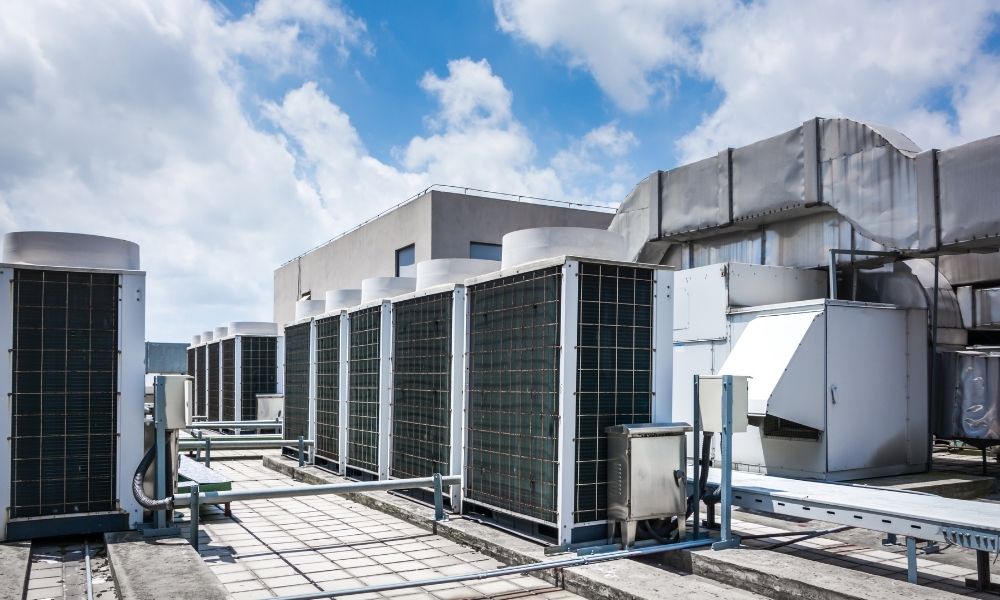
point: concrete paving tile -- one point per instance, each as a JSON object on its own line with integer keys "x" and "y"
{"x": 234, "y": 576}
{"x": 495, "y": 587}
{"x": 251, "y": 595}
{"x": 442, "y": 561}
{"x": 284, "y": 581}
{"x": 42, "y": 593}
{"x": 318, "y": 567}
{"x": 244, "y": 586}
{"x": 291, "y": 590}
{"x": 339, "y": 584}
{"x": 350, "y": 563}
{"x": 274, "y": 572}
{"x": 359, "y": 572}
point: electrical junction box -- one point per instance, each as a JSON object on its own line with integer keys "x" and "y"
{"x": 711, "y": 399}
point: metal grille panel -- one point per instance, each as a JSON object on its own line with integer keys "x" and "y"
{"x": 421, "y": 400}
{"x": 614, "y": 364}
{"x": 64, "y": 393}
{"x": 199, "y": 383}
{"x": 213, "y": 381}
{"x": 363, "y": 398}
{"x": 513, "y": 393}
{"x": 258, "y": 372}
{"x": 328, "y": 388}
{"x": 229, "y": 379}
{"x": 296, "y": 381}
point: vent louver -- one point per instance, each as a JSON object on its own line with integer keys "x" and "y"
{"x": 229, "y": 379}
{"x": 297, "y": 381}
{"x": 258, "y": 372}
{"x": 199, "y": 383}
{"x": 213, "y": 381}
{"x": 363, "y": 398}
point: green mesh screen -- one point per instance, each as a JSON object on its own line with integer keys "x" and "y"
{"x": 296, "y": 381}
{"x": 613, "y": 372}
{"x": 513, "y": 393}
{"x": 258, "y": 372}
{"x": 199, "y": 384}
{"x": 421, "y": 400}
{"x": 328, "y": 388}
{"x": 213, "y": 381}
{"x": 64, "y": 393}
{"x": 363, "y": 398}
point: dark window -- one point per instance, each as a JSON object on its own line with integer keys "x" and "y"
{"x": 405, "y": 259}
{"x": 484, "y": 251}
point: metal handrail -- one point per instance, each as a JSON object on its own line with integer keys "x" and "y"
{"x": 234, "y": 425}
{"x": 195, "y": 498}
{"x": 199, "y": 443}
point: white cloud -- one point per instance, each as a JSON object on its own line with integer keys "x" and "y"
{"x": 136, "y": 120}
{"x": 779, "y": 62}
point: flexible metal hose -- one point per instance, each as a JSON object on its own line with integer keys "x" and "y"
{"x": 139, "y": 493}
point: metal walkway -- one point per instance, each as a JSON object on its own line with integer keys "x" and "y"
{"x": 917, "y": 516}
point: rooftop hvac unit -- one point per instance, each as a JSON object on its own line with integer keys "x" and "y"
{"x": 328, "y": 416}
{"x": 213, "y": 366}
{"x": 369, "y": 379}
{"x": 558, "y": 351}
{"x": 75, "y": 318}
{"x": 250, "y": 354}
{"x": 428, "y": 350}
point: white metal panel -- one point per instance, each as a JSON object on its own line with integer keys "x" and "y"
{"x": 866, "y": 387}
{"x": 311, "y": 393}
{"x": 701, "y": 303}
{"x": 764, "y": 353}
{"x": 344, "y": 390}
{"x": 6, "y": 373}
{"x": 756, "y": 285}
{"x": 663, "y": 355}
{"x": 385, "y": 389}
{"x": 569, "y": 308}
{"x": 131, "y": 388}
{"x": 457, "y": 391}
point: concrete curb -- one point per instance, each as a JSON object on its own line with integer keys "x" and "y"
{"x": 15, "y": 560}
{"x": 740, "y": 573}
{"x": 159, "y": 568}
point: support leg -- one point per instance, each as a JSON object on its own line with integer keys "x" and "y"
{"x": 628, "y": 534}
{"x": 982, "y": 583}
{"x": 911, "y": 560}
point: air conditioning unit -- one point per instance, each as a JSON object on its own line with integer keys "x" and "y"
{"x": 428, "y": 372}
{"x": 250, "y": 356}
{"x": 196, "y": 369}
{"x": 74, "y": 382}
{"x": 559, "y": 350}
{"x": 299, "y": 418}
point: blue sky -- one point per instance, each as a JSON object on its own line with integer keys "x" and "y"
{"x": 226, "y": 138}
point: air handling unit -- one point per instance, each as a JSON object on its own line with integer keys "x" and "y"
{"x": 74, "y": 318}
{"x": 560, "y": 347}
{"x": 251, "y": 352}
{"x": 837, "y": 389}
{"x": 369, "y": 380}
{"x": 428, "y": 373}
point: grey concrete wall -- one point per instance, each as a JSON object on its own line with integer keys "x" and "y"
{"x": 459, "y": 219}
{"x": 439, "y": 224}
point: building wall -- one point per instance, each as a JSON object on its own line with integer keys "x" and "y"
{"x": 439, "y": 224}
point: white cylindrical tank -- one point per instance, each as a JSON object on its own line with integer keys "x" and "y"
{"x": 529, "y": 245}
{"x": 253, "y": 328}
{"x": 58, "y": 249}
{"x": 375, "y": 288}
{"x": 440, "y": 271}
{"x": 342, "y": 298}
{"x": 195, "y": 340}
{"x": 207, "y": 336}
{"x": 221, "y": 332}
{"x": 306, "y": 308}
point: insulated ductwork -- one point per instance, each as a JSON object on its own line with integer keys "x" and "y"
{"x": 306, "y": 308}
{"x": 443, "y": 271}
{"x": 375, "y": 288}
{"x": 528, "y": 245}
{"x": 342, "y": 298}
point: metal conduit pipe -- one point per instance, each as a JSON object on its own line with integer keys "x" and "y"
{"x": 503, "y": 571}
{"x": 139, "y": 493}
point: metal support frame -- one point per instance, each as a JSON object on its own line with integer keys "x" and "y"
{"x": 696, "y": 529}
{"x": 161, "y": 525}
{"x": 726, "y": 538}
{"x": 196, "y": 498}
{"x": 255, "y": 425}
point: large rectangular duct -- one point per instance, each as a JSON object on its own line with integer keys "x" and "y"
{"x": 558, "y": 351}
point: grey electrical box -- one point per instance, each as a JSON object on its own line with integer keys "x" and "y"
{"x": 647, "y": 477}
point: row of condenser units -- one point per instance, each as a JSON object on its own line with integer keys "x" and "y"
{"x": 505, "y": 374}
{"x": 233, "y": 366}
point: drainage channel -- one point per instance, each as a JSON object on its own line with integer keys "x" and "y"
{"x": 70, "y": 568}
